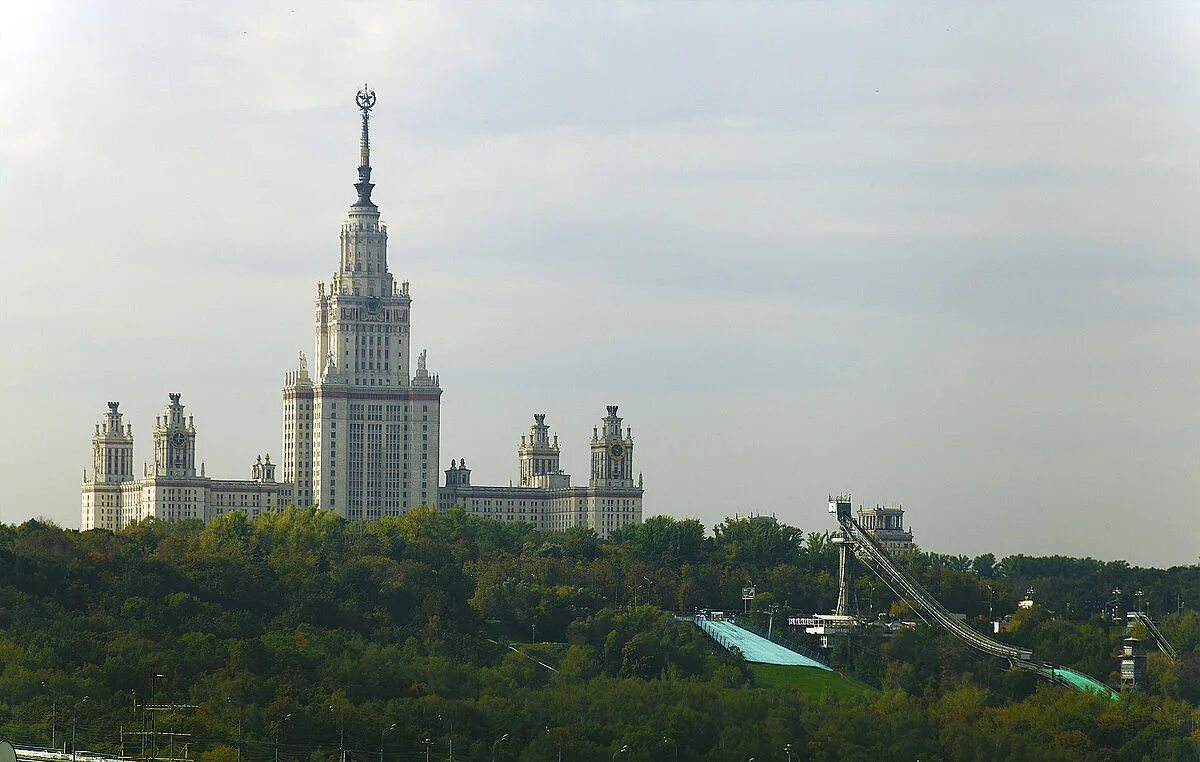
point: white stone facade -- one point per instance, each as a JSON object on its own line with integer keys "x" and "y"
{"x": 169, "y": 488}
{"x": 361, "y": 429}
{"x": 544, "y": 497}
{"x": 361, "y": 436}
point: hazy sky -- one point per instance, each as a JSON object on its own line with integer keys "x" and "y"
{"x": 944, "y": 255}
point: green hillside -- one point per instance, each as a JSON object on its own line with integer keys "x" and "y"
{"x": 287, "y": 633}
{"x": 806, "y": 680}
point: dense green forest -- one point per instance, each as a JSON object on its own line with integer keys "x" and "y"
{"x": 285, "y": 635}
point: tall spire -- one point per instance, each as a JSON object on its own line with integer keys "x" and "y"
{"x": 366, "y": 101}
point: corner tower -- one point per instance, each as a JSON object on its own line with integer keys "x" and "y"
{"x": 174, "y": 441}
{"x": 613, "y": 500}
{"x": 537, "y": 455}
{"x": 612, "y": 453}
{"x": 112, "y": 466}
{"x": 361, "y": 434}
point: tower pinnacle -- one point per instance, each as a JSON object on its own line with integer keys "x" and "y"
{"x": 365, "y": 101}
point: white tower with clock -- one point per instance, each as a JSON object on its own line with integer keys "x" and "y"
{"x": 544, "y": 497}
{"x": 174, "y": 441}
{"x": 612, "y": 453}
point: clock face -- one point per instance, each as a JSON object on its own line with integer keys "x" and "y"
{"x": 178, "y": 439}
{"x": 616, "y": 450}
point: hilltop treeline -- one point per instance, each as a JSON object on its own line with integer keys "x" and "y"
{"x": 286, "y": 633}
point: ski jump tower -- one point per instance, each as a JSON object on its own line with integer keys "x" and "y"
{"x": 844, "y": 622}
{"x": 905, "y": 586}
{"x": 847, "y": 600}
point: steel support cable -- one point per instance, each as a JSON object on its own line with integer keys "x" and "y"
{"x": 916, "y": 594}
{"x": 1159, "y": 638}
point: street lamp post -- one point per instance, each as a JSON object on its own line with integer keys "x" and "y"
{"x": 674, "y": 745}
{"x": 449, "y": 736}
{"x": 428, "y": 748}
{"x": 386, "y": 730}
{"x": 559, "y": 740}
{"x": 623, "y": 750}
{"x": 53, "y": 714}
{"x": 278, "y": 725}
{"x": 341, "y": 732}
{"x": 787, "y": 749}
{"x": 239, "y": 735}
{"x": 154, "y": 678}
{"x": 496, "y": 743}
{"x": 74, "y": 717}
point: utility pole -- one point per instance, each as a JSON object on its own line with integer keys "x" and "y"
{"x": 240, "y": 743}
{"x": 450, "y": 734}
{"x": 154, "y": 743}
{"x": 53, "y": 714}
{"x": 279, "y": 724}
{"x": 74, "y": 717}
{"x": 381, "y": 737}
{"x": 341, "y": 732}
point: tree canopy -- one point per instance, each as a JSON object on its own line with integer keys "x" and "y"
{"x": 300, "y": 627}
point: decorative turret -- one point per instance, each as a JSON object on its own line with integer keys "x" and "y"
{"x": 612, "y": 453}
{"x": 112, "y": 449}
{"x": 261, "y": 470}
{"x": 458, "y": 475}
{"x": 537, "y": 455}
{"x": 174, "y": 441}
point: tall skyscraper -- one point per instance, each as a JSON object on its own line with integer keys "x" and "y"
{"x": 360, "y": 437}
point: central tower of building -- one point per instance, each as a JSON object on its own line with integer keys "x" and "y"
{"x": 360, "y": 434}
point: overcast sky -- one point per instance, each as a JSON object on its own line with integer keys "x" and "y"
{"x": 943, "y": 255}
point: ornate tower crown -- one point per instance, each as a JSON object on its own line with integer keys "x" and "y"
{"x": 365, "y": 100}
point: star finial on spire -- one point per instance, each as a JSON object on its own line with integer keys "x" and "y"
{"x": 365, "y": 99}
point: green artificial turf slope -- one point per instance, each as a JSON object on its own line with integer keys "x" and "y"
{"x": 806, "y": 680}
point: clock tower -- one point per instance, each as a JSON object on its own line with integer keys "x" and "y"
{"x": 174, "y": 441}
{"x": 612, "y": 453}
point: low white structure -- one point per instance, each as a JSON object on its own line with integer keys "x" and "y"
{"x": 171, "y": 487}
{"x": 544, "y": 497}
